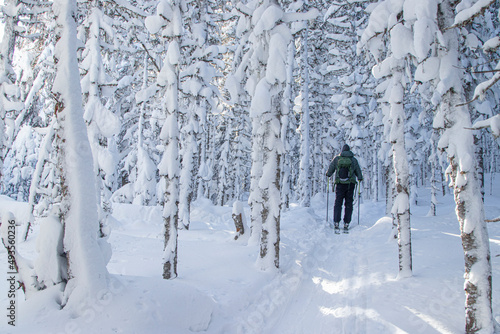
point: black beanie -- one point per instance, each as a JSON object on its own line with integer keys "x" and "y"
{"x": 346, "y": 148}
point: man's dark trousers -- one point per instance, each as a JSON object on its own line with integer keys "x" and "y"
{"x": 343, "y": 192}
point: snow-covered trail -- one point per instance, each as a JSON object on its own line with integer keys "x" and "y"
{"x": 324, "y": 280}
{"x": 326, "y": 283}
{"x": 332, "y": 296}
{"x": 348, "y": 283}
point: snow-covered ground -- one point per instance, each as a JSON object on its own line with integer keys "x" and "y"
{"x": 327, "y": 283}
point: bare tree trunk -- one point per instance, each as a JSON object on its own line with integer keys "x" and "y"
{"x": 239, "y": 219}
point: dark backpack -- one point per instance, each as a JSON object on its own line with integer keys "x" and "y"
{"x": 345, "y": 170}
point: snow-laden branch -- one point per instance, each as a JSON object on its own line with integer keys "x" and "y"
{"x": 493, "y": 123}
{"x": 492, "y": 44}
{"x": 306, "y": 16}
{"x": 245, "y": 10}
{"x": 130, "y": 8}
{"x": 483, "y": 87}
{"x": 466, "y": 15}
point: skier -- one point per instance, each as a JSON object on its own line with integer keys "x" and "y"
{"x": 346, "y": 168}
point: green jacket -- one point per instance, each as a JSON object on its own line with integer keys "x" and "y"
{"x": 357, "y": 170}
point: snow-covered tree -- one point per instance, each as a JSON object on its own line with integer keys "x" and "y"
{"x": 225, "y": 190}
{"x": 21, "y": 161}
{"x": 353, "y": 87}
{"x": 239, "y": 85}
{"x": 288, "y": 127}
{"x": 393, "y": 67}
{"x": 43, "y": 178}
{"x": 266, "y": 113}
{"x": 139, "y": 163}
{"x": 237, "y": 98}
{"x": 74, "y": 222}
{"x": 198, "y": 95}
{"x": 9, "y": 93}
{"x": 459, "y": 145}
{"x": 167, "y": 23}
{"x": 427, "y": 34}
{"x": 305, "y": 178}
{"x": 132, "y": 61}
{"x": 102, "y": 123}
{"x": 263, "y": 64}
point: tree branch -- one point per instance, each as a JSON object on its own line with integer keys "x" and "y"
{"x": 460, "y": 22}
{"x": 467, "y": 103}
{"x": 149, "y": 56}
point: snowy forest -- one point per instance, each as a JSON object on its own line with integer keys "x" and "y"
{"x": 243, "y": 104}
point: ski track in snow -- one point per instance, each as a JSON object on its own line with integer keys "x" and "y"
{"x": 331, "y": 290}
{"x": 331, "y": 283}
{"x": 323, "y": 288}
{"x": 326, "y": 283}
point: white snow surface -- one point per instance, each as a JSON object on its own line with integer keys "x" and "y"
{"x": 327, "y": 283}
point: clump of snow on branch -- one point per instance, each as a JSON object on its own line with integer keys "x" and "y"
{"x": 467, "y": 12}
{"x": 492, "y": 123}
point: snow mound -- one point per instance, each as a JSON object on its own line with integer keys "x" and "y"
{"x": 130, "y": 305}
{"x": 20, "y": 210}
{"x": 383, "y": 225}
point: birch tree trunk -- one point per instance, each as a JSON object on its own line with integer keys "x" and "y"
{"x": 168, "y": 92}
{"x": 186, "y": 178}
{"x": 255, "y": 198}
{"x": 266, "y": 112}
{"x": 435, "y": 171}
{"x": 169, "y": 167}
{"x": 305, "y": 154}
{"x": 459, "y": 145}
{"x": 270, "y": 183}
{"x": 401, "y": 206}
{"x": 286, "y": 162}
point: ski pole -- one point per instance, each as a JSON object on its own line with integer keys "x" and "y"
{"x": 327, "y": 195}
{"x": 359, "y": 195}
